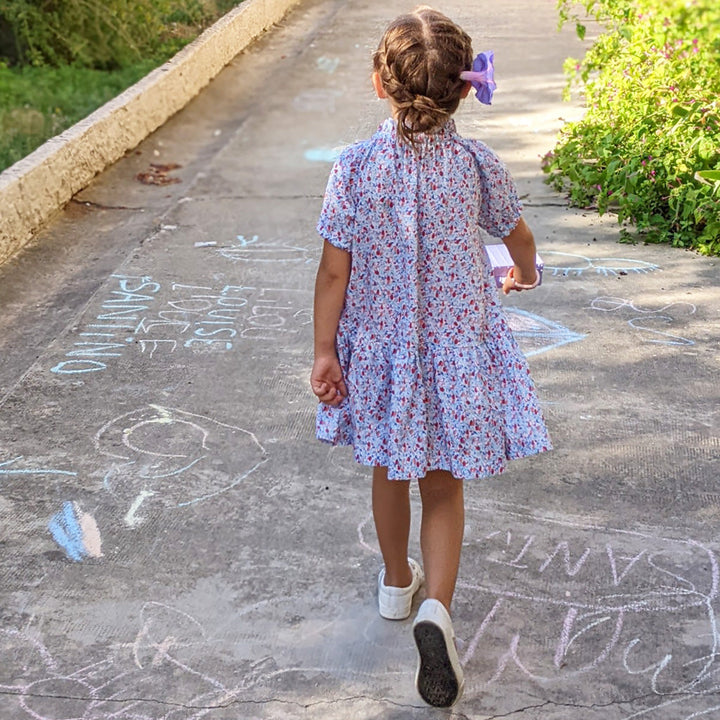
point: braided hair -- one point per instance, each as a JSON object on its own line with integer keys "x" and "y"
{"x": 419, "y": 61}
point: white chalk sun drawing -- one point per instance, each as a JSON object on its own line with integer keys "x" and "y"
{"x": 570, "y": 264}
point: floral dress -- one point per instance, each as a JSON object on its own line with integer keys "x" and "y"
{"x": 435, "y": 378}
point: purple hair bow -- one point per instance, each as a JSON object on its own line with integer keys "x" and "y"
{"x": 482, "y": 76}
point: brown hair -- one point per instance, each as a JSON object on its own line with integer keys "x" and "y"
{"x": 419, "y": 61}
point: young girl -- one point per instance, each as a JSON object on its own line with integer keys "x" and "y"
{"x": 415, "y": 365}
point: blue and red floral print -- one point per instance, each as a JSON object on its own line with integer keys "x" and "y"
{"x": 435, "y": 378}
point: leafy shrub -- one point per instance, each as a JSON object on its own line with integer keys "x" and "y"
{"x": 100, "y": 34}
{"x": 648, "y": 146}
{"x": 62, "y": 59}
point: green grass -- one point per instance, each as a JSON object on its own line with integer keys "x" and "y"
{"x": 39, "y": 103}
{"x": 39, "y": 99}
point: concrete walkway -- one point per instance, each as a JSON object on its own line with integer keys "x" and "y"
{"x": 175, "y": 544}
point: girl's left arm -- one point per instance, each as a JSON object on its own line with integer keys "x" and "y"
{"x": 333, "y": 274}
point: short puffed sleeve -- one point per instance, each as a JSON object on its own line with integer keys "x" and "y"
{"x": 337, "y": 217}
{"x": 500, "y": 207}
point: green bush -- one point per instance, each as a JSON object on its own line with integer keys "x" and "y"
{"x": 99, "y": 34}
{"x": 648, "y": 147}
{"x": 62, "y": 59}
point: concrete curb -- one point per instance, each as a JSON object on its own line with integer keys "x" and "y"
{"x": 35, "y": 188}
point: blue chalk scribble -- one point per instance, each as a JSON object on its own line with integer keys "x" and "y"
{"x": 67, "y": 533}
{"x": 327, "y": 155}
{"x": 31, "y": 471}
{"x": 537, "y": 334}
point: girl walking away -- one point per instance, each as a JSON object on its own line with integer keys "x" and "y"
{"x": 415, "y": 365}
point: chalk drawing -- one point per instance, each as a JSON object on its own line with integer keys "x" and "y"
{"x": 132, "y": 519}
{"x": 599, "y": 585}
{"x": 124, "y": 683}
{"x": 76, "y": 532}
{"x": 317, "y": 100}
{"x": 327, "y": 65}
{"x": 645, "y": 317}
{"x": 173, "y": 457}
{"x": 323, "y": 154}
{"x": 30, "y": 471}
{"x": 195, "y": 317}
{"x": 267, "y": 251}
{"x": 570, "y": 264}
{"x": 536, "y": 334}
{"x": 580, "y": 599}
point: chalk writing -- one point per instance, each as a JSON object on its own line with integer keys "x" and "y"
{"x": 105, "y": 337}
{"x": 560, "y": 263}
{"x": 644, "y": 318}
{"x": 174, "y": 457}
{"x": 593, "y": 588}
{"x": 560, "y": 599}
{"x": 536, "y": 334}
{"x": 195, "y": 317}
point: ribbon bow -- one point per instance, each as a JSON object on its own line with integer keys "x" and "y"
{"x": 482, "y": 76}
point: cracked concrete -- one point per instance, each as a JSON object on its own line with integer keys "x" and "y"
{"x": 175, "y": 544}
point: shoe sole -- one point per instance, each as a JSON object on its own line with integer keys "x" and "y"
{"x": 436, "y": 681}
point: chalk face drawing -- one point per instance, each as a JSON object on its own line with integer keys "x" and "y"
{"x": 76, "y": 532}
{"x": 536, "y": 334}
{"x": 651, "y": 323}
{"x": 174, "y": 457}
{"x": 570, "y": 264}
{"x": 194, "y": 318}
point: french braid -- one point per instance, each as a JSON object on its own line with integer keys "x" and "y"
{"x": 419, "y": 61}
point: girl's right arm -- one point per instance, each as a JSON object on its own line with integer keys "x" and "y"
{"x": 333, "y": 274}
{"x": 521, "y": 246}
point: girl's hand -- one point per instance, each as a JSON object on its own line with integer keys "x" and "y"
{"x": 521, "y": 246}
{"x": 512, "y": 282}
{"x": 326, "y": 380}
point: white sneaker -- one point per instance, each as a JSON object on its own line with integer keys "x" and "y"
{"x": 395, "y": 603}
{"x": 439, "y": 678}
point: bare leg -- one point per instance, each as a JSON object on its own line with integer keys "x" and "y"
{"x": 391, "y": 511}
{"x": 441, "y": 534}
